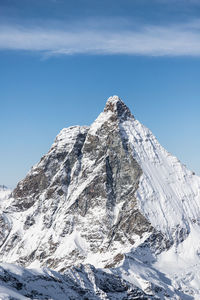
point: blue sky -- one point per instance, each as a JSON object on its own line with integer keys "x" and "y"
{"x": 60, "y": 61}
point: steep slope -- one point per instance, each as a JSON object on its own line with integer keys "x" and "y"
{"x": 169, "y": 197}
{"x": 80, "y": 199}
{"x": 168, "y": 193}
{"x": 109, "y": 195}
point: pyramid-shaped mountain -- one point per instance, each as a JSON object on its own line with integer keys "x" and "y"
{"x": 110, "y": 196}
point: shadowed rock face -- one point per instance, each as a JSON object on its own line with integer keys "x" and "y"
{"x": 5, "y": 229}
{"x": 41, "y": 178}
{"x": 84, "y": 186}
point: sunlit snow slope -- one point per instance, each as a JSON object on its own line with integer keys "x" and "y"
{"x": 168, "y": 193}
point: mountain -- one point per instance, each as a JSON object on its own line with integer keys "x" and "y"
{"x": 108, "y": 198}
{"x": 4, "y": 192}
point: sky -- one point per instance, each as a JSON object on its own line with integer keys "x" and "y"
{"x": 60, "y": 61}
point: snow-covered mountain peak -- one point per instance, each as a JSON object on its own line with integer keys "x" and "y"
{"x": 115, "y": 105}
{"x": 114, "y": 113}
{"x": 108, "y": 195}
{"x": 114, "y": 98}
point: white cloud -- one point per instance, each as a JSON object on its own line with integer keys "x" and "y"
{"x": 173, "y": 40}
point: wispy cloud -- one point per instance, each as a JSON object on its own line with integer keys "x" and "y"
{"x": 173, "y": 40}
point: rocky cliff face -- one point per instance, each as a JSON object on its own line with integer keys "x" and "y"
{"x": 83, "y": 188}
{"x": 108, "y": 195}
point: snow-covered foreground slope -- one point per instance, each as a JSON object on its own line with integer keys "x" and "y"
{"x": 83, "y": 282}
{"x": 111, "y": 196}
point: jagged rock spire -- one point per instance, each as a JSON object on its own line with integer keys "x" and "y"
{"x": 117, "y": 106}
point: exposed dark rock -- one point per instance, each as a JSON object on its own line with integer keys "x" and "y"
{"x": 5, "y": 228}
{"x": 85, "y": 170}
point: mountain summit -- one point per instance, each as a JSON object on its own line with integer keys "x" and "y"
{"x": 109, "y": 195}
{"x": 117, "y": 106}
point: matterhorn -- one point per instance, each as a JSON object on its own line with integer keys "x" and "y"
{"x": 107, "y": 213}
